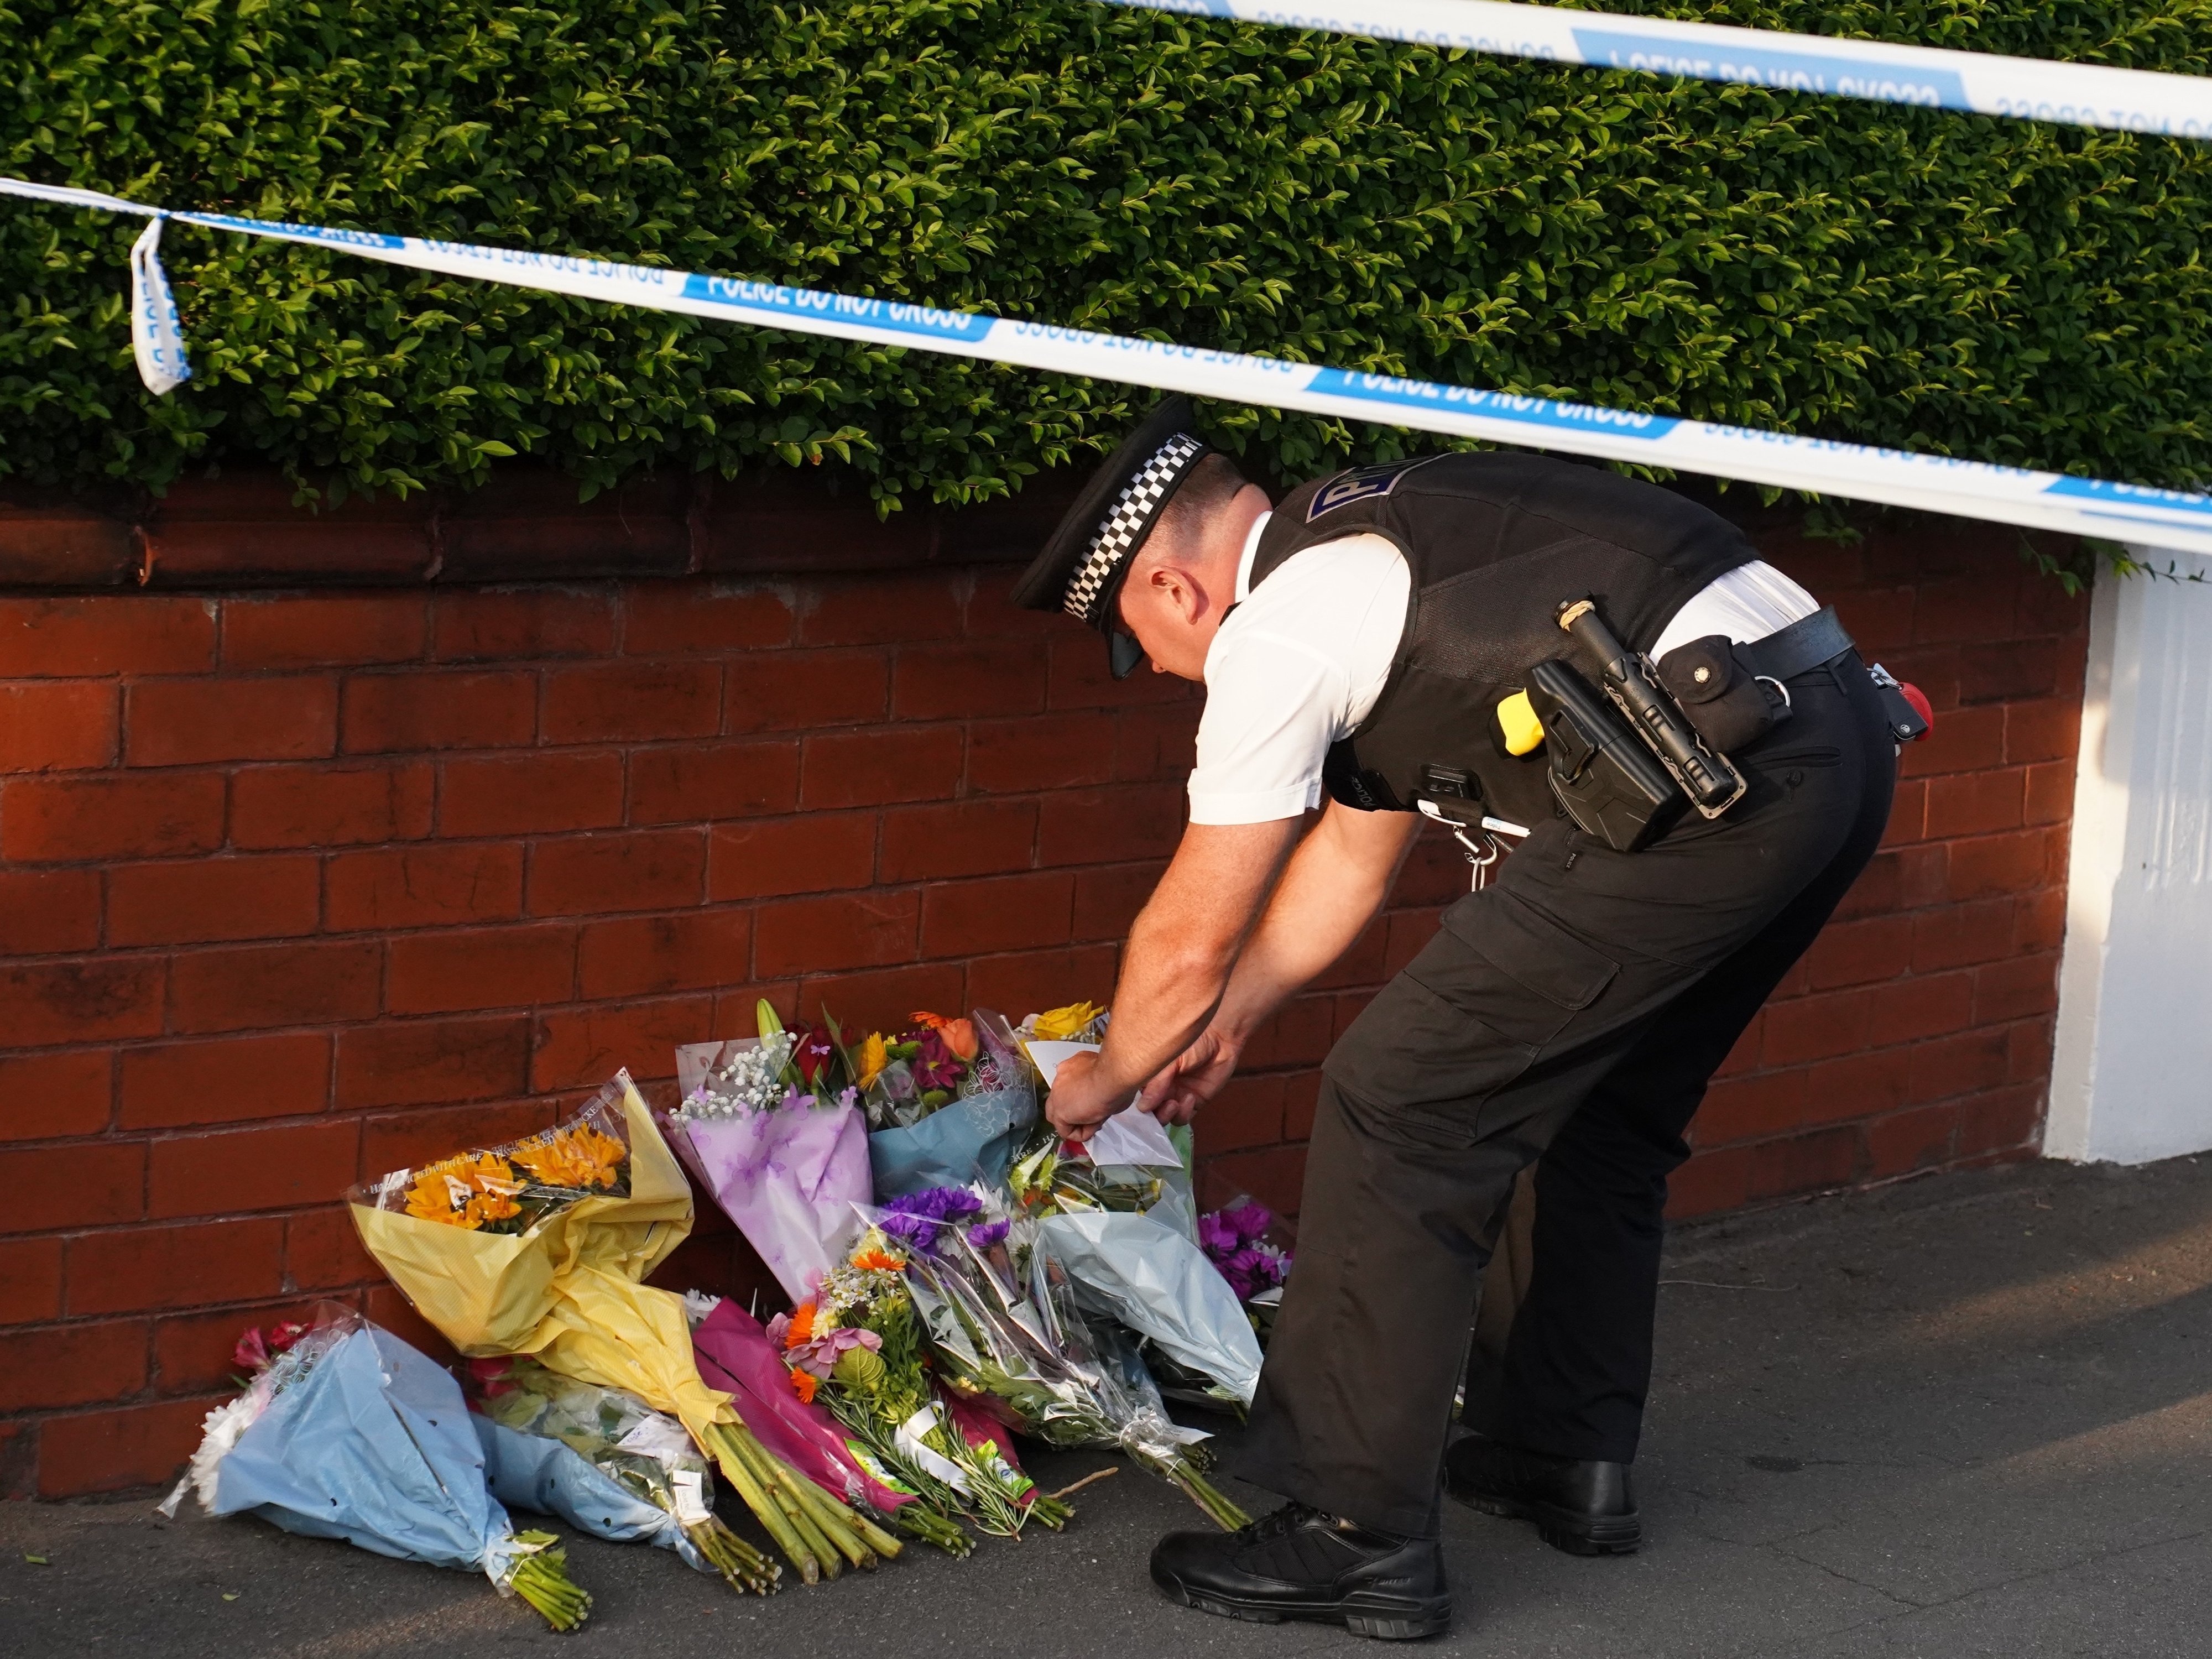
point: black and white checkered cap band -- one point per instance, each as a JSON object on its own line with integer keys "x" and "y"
{"x": 1134, "y": 512}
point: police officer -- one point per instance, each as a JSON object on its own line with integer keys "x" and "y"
{"x": 1364, "y": 645}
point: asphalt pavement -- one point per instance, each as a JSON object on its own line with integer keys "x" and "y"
{"x": 1969, "y": 1415}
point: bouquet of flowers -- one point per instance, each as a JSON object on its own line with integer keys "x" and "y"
{"x": 607, "y": 1463}
{"x": 859, "y": 1349}
{"x": 1005, "y": 1331}
{"x": 564, "y": 1285}
{"x": 767, "y": 1129}
{"x": 736, "y": 1355}
{"x": 349, "y": 1433}
{"x": 946, "y": 1103}
{"x": 1236, "y": 1240}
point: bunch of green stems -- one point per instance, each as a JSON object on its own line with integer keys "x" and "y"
{"x": 818, "y": 1532}
{"x": 541, "y": 1578}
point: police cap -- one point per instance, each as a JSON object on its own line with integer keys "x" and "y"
{"x": 1084, "y": 564}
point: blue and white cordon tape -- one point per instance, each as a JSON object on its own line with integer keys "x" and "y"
{"x": 1974, "y": 489}
{"x": 2036, "y": 90}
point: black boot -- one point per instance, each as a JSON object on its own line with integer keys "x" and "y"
{"x": 1300, "y": 1564}
{"x": 1582, "y": 1507}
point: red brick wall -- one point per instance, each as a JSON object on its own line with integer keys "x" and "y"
{"x": 300, "y": 888}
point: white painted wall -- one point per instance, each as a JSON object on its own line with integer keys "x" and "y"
{"x": 2132, "y": 1077}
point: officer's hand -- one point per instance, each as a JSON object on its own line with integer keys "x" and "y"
{"x": 1079, "y": 1101}
{"x": 1194, "y": 1078}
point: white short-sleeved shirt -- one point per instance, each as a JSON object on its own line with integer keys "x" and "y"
{"x": 1299, "y": 664}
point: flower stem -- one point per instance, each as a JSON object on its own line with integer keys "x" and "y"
{"x": 728, "y": 1454}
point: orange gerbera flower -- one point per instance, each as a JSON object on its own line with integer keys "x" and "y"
{"x": 803, "y": 1385}
{"x": 800, "y": 1332}
{"x": 880, "y": 1262}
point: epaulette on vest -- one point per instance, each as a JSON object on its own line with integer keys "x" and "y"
{"x": 1494, "y": 542}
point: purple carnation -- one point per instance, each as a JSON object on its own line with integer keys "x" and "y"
{"x": 990, "y": 1233}
{"x": 918, "y": 1219}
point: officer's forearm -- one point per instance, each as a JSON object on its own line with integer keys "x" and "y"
{"x": 1184, "y": 944}
{"x": 1336, "y": 882}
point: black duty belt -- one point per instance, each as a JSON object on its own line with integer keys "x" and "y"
{"x": 1810, "y": 642}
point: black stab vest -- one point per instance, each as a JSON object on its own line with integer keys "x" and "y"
{"x": 1494, "y": 542}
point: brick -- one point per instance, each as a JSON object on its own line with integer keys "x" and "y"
{"x": 196, "y": 1351}
{"x": 207, "y": 901}
{"x": 1301, "y": 1100}
{"x": 1905, "y": 1141}
{"x": 819, "y": 853}
{"x": 1856, "y": 1086}
{"x": 109, "y": 1451}
{"x": 632, "y": 701}
{"x": 191, "y": 722}
{"x": 449, "y": 708}
{"x": 44, "y": 912}
{"x": 789, "y": 691}
{"x": 1926, "y": 1006}
{"x": 870, "y": 768}
{"x": 1965, "y": 608}
{"x": 2027, "y": 1051}
{"x": 429, "y": 1062}
{"x": 962, "y": 838}
{"x": 1748, "y": 1108}
{"x": 322, "y": 630}
{"x": 1004, "y": 913}
{"x": 1296, "y": 1034}
{"x": 1274, "y": 1174}
{"x": 1050, "y": 751}
{"x": 1711, "y": 1182}
{"x": 881, "y": 610}
{"x": 384, "y": 1304}
{"x": 1818, "y": 1161}
{"x": 1362, "y": 961}
{"x": 1860, "y": 952}
{"x": 1107, "y": 901}
{"x": 816, "y": 935}
{"x": 440, "y": 886}
{"x": 1989, "y": 865}
{"x": 1908, "y": 814}
{"x": 77, "y": 820}
{"x": 136, "y": 1269}
{"x": 323, "y": 1251}
{"x": 2049, "y": 792}
{"x": 2004, "y": 1120}
{"x": 712, "y": 781}
{"x": 80, "y": 1364}
{"x": 57, "y": 1002}
{"x": 30, "y": 1280}
{"x": 1113, "y": 826}
{"x": 1081, "y": 678}
{"x": 340, "y": 805}
{"x": 533, "y": 793}
{"x": 653, "y": 955}
{"x": 1975, "y": 804}
{"x": 1159, "y": 744}
{"x": 1030, "y": 981}
{"x": 528, "y": 623}
{"x": 2019, "y": 989}
{"x": 226, "y": 1081}
{"x": 671, "y": 618}
{"x": 1962, "y": 740}
{"x": 2045, "y": 731}
{"x": 112, "y": 634}
{"x": 1815, "y": 1028}
{"x": 412, "y": 1139}
{"x": 1959, "y": 935}
{"x": 273, "y": 985}
{"x": 2039, "y": 920}
{"x": 584, "y": 1048}
{"x": 2012, "y": 669}
{"x": 482, "y": 968}
{"x": 633, "y": 870}
{"x": 268, "y": 1167}
{"x": 57, "y": 726}
{"x": 871, "y": 999}
{"x": 1960, "y": 1065}
{"x": 952, "y": 682}
{"x": 1247, "y": 1112}
{"x": 53, "y": 1096}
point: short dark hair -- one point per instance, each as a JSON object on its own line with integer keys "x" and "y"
{"x": 1212, "y": 483}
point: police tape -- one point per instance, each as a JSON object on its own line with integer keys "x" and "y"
{"x": 1932, "y": 77}
{"x": 1935, "y": 483}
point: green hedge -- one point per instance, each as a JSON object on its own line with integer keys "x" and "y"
{"x": 1997, "y": 289}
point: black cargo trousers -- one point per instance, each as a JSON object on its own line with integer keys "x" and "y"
{"x": 1574, "y": 1009}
